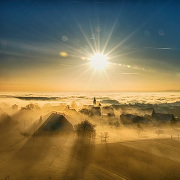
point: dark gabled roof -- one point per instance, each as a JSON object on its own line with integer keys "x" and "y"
{"x": 55, "y": 123}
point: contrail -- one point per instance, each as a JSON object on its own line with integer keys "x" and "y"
{"x": 160, "y": 48}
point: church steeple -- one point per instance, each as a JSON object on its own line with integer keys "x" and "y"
{"x": 94, "y": 101}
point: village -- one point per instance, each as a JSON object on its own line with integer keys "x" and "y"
{"x": 63, "y": 117}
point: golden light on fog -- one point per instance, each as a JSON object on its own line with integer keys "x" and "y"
{"x": 63, "y": 54}
{"x": 98, "y": 61}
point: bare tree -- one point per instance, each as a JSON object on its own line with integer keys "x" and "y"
{"x": 139, "y": 129}
{"x": 104, "y": 137}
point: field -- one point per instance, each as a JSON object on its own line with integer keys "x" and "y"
{"x": 64, "y": 157}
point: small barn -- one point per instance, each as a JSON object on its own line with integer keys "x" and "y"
{"x": 55, "y": 123}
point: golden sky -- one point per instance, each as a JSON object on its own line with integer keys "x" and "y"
{"x": 50, "y": 46}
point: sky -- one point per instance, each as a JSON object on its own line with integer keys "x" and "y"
{"x": 48, "y": 45}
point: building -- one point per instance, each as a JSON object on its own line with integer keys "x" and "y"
{"x": 55, "y": 123}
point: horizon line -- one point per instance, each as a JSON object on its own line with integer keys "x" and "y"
{"x": 116, "y": 91}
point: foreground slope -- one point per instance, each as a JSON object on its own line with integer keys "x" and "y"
{"x": 64, "y": 157}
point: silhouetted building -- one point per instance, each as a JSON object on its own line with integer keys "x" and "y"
{"x": 85, "y": 112}
{"x": 130, "y": 118}
{"x": 107, "y": 110}
{"x": 96, "y": 111}
{"x": 163, "y": 117}
{"x": 55, "y": 123}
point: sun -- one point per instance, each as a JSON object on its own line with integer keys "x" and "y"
{"x": 98, "y": 61}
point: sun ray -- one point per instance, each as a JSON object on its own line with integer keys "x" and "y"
{"x": 79, "y": 51}
{"x": 119, "y": 44}
{"x": 110, "y": 34}
{"x": 124, "y": 54}
{"x": 86, "y": 69}
{"x": 98, "y": 35}
{"x": 86, "y": 38}
{"x": 94, "y": 39}
{"x": 122, "y": 42}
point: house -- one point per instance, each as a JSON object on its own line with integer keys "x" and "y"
{"x": 146, "y": 112}
{"x": 85, "y": 111}
{"x": 91, "y": 111}
{"x": 96, "y": 111}
{"x": 163, "y": 117}
{"x": 55, "y": 123}
{"x": 130, "y": 118}
{"x": 71, "y": 111}
{"x": 107, "y": 110}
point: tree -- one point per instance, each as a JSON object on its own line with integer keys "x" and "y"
{"x": 159, "y": 131}
{"x": 139, "y": 129}
{"x": 85, "y": 129}
{"x": 116, "y": 124}
{"x": 111, "y": 124}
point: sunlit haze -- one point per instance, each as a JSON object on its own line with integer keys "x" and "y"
{"x": 89, "y": 46}
{"x": 89, "y": 89}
